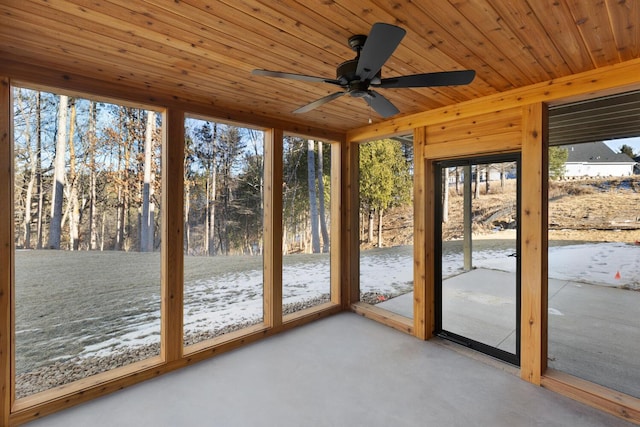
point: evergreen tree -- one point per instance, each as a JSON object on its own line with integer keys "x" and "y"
{"x": 385, "y": 180}
{"x": 557, "y": 158}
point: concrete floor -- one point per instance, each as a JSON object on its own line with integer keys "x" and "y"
{"x": 593, "y": 330}
{"x": 341, "y": 371}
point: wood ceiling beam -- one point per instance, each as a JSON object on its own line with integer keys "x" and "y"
{"x": 606, "y": 80}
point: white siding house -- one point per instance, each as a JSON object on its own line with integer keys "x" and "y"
{"x": 594, "y": 159}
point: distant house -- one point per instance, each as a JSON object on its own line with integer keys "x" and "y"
{"x": 596, "y": 159}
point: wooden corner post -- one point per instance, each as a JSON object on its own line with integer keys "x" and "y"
{"x": 423, "y": 238}
{"x": 336, "y": 253}
{"x": 534, "y": 276}
{"x": 6, "y": 250}
{"x": 273, "y": 227}
{"x": 173, "y": 235}
{"x": 350, "y": 241}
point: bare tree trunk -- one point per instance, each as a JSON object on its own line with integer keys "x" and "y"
{"x": 457, "y": 180}
{"x": 371, "y": 216}
{"x": 212, "y": 195}
{"x": 476, "y": 192}
{"x": 55, "y": 228}
{"x": 187, "y": 211}
{"x": 33, "y": 170}
{"x": 93, "y": 229}
{"x": 487, "y": 185}
{"x": 380, "y": 214}
{"x": 104, "y": 220}
{"x": 445, "y": 195}
{"x": 74, "y": 220}
{"x": 146, "y": 224}
{"x": 502, "y": 175}
{"x": 323, "y": 219}
{"x": 39, "y": 184}
{"x": 313, "y": 207}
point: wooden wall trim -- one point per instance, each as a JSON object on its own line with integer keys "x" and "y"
{"x": 6, "y": 250}
{"x": 423, "y": 248}
{"x": 272, "y": 227}
{"x": 615, "y": 78}
{"x": 386, "y": 317}
{"x": 172, "y": 235}
{"x": 533, "y": 223}
{"x": 597, "y": 396}
{"x": 74, "y": 84}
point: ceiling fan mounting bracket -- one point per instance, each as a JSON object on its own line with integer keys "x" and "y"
{"x": 357, "y": 42}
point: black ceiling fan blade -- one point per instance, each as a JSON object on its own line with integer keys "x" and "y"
{"x": 318, "y": 102}
{"x": 380, "y": 45}
{"x": 292, "y": 76}
{"x": 380, "y": 104}
{"x": 445, "y": 78}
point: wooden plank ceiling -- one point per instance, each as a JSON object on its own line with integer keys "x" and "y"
{"x": 204, "y": 51}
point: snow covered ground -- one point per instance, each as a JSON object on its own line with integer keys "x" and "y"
{"x": 236, "y": 296}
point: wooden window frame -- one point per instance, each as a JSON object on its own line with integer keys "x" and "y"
{"x": 173, "y": 354}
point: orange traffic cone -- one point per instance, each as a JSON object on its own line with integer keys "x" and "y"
{"x": 617, "y": 276}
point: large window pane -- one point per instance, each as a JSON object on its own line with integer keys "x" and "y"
{"x": 594, "y": 263}
{"x": 306, "y": 271}
{"x": 87, "y": 236}
{"x": 223, "y": 187}
{"x": 386, "y": 225}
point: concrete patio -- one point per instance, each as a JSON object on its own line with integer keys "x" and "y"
{"x": 341, "y": 371}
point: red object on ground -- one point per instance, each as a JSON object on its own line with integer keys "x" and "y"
{"x": 617, "y": 276}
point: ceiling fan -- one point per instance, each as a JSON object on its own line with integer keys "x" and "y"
{"x": 356, "y": 76}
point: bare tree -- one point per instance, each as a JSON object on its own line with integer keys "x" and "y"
{"x": 476, "y": 190}
{"x": 74, "y": 217}
{"x": 93, "y": 227}
{"x": 55, "y": 228}
{"x": 445, "y": 195}
{"x": 147, "y": 221}
{"x": 32, "y": 172}
{"x": 323, "y": 220}
{"x": 313, "y": 207}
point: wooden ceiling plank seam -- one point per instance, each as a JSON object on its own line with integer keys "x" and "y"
{"x": 207, "y": 36}
{"x": 187, "y": 59}
{"x": 152, "y": 77}
{"x": 465, "y": 39}
{"x": 204, "y": 77}
{"x": 440, "y": 37}
{"x": 261, "y": 47}
{"x": 184, "y": 46}
{"x": 524, "y": 22}
{"x": 625, "y": 24}
{"x": 58, "y": 26}
{"x": 556, "y": 18}
{"x": 592, "y": 20}
{"x": 490, "y": 23}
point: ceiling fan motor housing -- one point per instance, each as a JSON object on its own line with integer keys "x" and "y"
{"x": 346, "y": 75}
